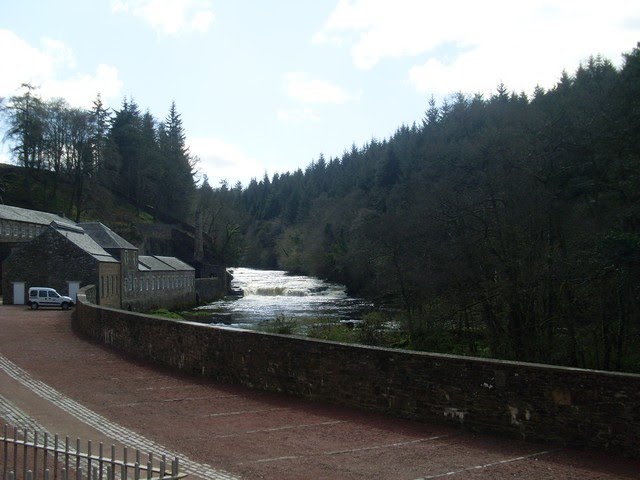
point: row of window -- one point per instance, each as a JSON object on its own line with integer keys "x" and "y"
{"x": 157, "y": 282}
{"x": 129, "y": 258}
{"x": 108, "y": 285}
{"x": 15, "y": 230}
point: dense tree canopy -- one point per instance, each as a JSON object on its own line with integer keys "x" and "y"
{"x": 512, "y": 224}
{"x": 129, "y": 152}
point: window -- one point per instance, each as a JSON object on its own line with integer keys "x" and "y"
{"x": 15, "y": 230}
{"x": 24, "y": 231}
{"x": 30, "y": 231}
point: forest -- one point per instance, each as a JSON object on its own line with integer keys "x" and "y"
{"x": 506, "y": 226}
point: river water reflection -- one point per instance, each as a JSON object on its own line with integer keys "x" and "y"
{"x": 269, "y": 293}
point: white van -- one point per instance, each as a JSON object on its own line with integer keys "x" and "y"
{"x": 47, "y": 297}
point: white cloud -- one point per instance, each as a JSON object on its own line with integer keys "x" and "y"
{"x": 22, "y": 62}
{"x": 220, "y": 160}
{"x": 472, "y": 46}
{"x": 169, "y": 17}
{"x": 81, "y": 89}
{"x": 52, "y": 68}
{"x": 308, "y": 90}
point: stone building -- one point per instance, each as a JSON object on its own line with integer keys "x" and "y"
{"x": 67, "y": 256}
{"x": 21, "y": 225}
{"x": 159, "y": 282}
{"x": 63, "y": 257}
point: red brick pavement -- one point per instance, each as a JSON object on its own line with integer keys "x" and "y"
{"x": 251, "y": 434}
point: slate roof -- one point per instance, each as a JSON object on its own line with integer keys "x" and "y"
{"x": 78, "y": 237}
{"x": 162, "y": 264}
{"x": 175, "y": 263}
{"x": 17, "y": 214}
{"x": 105, "y": 237}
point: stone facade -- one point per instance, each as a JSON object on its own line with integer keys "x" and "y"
{"x": 18, "y": 232}
{"x": 20, "y": 225}
{"x": 51, "y": 260}
{"x": 210, "y": 289}
{"x": 159, "y": 289}
{"x": 541, "y": 403}
{"x": 91, "y": 253}
{"x": 148, "y": 282}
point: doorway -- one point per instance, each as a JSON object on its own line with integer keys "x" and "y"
{"x": 18, "y": 293}
{"x": 73, "y": 290}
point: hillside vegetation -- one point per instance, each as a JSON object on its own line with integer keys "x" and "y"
{"x": 506, "y": 226}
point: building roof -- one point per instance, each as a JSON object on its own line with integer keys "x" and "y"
{"x": 78, "y": 237}
{"x": 175, "y": 263}
{"x": 17, "y": 214}
{"x": 162, "y": 264}
{"x": 105, "y": 237}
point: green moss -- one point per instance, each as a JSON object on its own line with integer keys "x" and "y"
{"x": 163, "y": 312}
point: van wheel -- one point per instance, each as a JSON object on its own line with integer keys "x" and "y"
{"x": 33, "y": 305}
{"x": 65, "y": 306}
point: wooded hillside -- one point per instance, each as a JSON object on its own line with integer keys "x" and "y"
{"x": 507, "y": 226}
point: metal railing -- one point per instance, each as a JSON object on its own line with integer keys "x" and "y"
{"x": 33, "y": 455}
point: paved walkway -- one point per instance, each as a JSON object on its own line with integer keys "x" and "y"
{"x": 56, "y": 381}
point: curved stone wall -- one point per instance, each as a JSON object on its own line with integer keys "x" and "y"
{"x": 582, "y": 408}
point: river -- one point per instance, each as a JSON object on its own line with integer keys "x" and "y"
{"x": 271, "y": 293}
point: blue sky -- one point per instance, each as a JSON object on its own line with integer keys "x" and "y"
{"x": 266, "y": 86}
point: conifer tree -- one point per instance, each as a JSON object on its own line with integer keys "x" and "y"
{"x": 176, "y": 180}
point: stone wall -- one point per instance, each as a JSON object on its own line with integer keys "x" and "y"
{"x": 161, "y": 289}
{"x": 110, "y": 285}
{"x": 209, "y": 289}
{"x": 565, "y": 406}
{"x": 49, "y": 260}
{"x": 19, "y": 232}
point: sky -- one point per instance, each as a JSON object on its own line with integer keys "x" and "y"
{"x": 268, "y": 86}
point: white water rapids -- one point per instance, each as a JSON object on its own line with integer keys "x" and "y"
{"x": 270, "y": 293}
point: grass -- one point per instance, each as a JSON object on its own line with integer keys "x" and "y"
{"x": 163, "y": 312}
{"x": 280, "y": 325}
